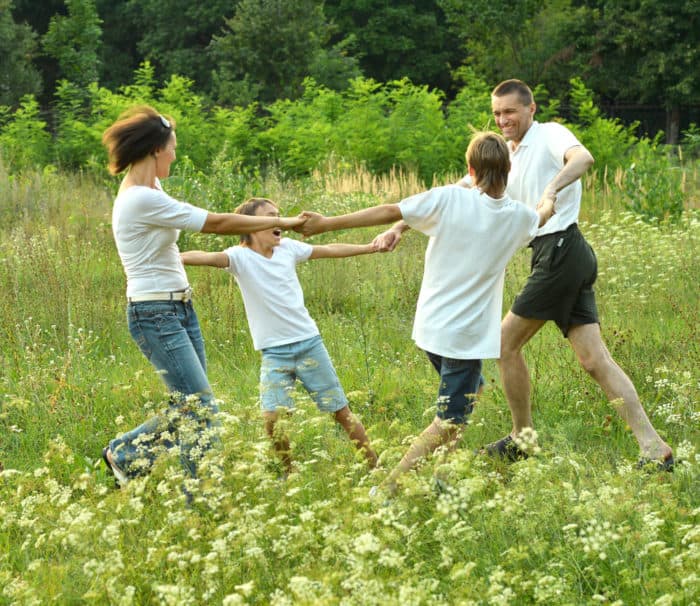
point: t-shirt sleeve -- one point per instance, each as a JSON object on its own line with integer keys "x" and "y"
{"x": 560, "y": 140}
{"x": 159, "y": 209}
{"x": 235, "y": 260}
{"x": 423, "y": 211}
{"x": 301, "y": 251}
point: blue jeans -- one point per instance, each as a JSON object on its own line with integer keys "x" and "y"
{"x": 168, "y": 334}
{"x": 460, "y": 381}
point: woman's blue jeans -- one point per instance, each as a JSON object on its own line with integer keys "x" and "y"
{"x": 168, "y": 334}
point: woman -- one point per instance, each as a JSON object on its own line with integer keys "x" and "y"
{"x": 146, "y": 223}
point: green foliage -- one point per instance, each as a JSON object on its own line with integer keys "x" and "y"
{"x": 18, "y": 76}
{"x": 691, "y": 141}
{"x": 269, "y": 47}
{"x": 610, "y": 141}
{"x": 24, "y": 141}
{"x": 74, "y": 41}
{"x": 653, "y": 183}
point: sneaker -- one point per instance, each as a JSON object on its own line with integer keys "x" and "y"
{"x": 120, "y": 477}
{"x": 651, "y": 465}
{"x": 505, "y": 448}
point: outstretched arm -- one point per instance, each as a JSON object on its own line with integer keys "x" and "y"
{"x": 338, "y": 250}
{"x": 199, "y": 257}
{"x": 233, "y": 223}
{"x": 376, "y": 215}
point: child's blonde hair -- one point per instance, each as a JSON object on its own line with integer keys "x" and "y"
{"x": 250, "y": 207}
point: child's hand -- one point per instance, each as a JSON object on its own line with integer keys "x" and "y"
{"x": 387, "y": 241}
{"x": 292, "y": 222}
{"x": 313, "y": 223}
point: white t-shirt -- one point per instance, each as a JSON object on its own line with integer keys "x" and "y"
{"x": 536, "y": 161}
{"x": 272, "y": 295}
{"x": 146, "y": 224}
{"x": 472, "y": 238}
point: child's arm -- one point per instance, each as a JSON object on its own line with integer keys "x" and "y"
{"x": 337, "y": 251}
{"x": 376, "y": 215}
{"x": 199, "y": 257}
{"x": 545, "y": 209}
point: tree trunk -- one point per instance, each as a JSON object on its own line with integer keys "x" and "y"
{"x": 673, "y": 120}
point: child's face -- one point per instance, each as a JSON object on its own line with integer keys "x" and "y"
{"x": 268, "y": 238}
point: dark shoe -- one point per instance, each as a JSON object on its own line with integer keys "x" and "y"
{"x": 651, "y": 465}
{"x": 120, "y": 478}
{"x": 505, "y": 448}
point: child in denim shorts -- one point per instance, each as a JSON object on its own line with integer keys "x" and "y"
{"x": 264, "y": 266}
{"x": 473, "y": 234}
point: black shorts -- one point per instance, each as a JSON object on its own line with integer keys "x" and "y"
{"x": 560, "y": 285}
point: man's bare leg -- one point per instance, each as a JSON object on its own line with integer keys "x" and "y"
{"x": 597, "y": 362}
{"x": 357, "y": 434}
{"x": 516, "y": 331}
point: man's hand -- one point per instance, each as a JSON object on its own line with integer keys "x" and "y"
{"x": 545, "y": 207}
{"x": 312, "y": 223}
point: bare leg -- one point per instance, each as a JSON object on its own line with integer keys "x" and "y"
{"x": 280, "y": 442}
{"x": 438, "y": 433}
{"x": 597, "y": 362}
{"x": 516, "y": 331}
{"x": 356, "y": 432}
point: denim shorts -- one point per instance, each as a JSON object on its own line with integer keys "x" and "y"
{"x": 307, "y": 361}
{"x": 460, "y": 381}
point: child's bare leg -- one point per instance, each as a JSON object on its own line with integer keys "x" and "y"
{"x": 280, "y": 441}
{"x": 438, "y": 433}
{"x": 356, "y": 432}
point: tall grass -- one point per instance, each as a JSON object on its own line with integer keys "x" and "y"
{"x": 575, "y": 525}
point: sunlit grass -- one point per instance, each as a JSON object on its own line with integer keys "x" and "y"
{"x": 576, "y": 524}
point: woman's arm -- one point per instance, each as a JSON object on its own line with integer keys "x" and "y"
{"x": 233, "y": 223}
{"x": 199, "y": 257}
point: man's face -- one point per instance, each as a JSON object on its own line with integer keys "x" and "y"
{"x": 512, "y": 117}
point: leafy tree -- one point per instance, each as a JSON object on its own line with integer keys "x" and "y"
{"x": 24, "y": 140}
{"x": 18, "y": 77}
{"x": 122, "y": 28}
{"x": 74, "y": 41}
{"x": 399, "y": 39}
{"x": 174, "y": 37}
{"x": 269, "y": 46}
{"x": 646, "y": 51}
{"x": 529, "y": 39}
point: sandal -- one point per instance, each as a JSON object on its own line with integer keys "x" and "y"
{"x": 120, "y": 478}
{"x": 651, "y": 465}
{"x": 505, "y": 448}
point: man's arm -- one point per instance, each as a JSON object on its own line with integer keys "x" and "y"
{"x": 338, "y": 250}
{"x": 199, "y": 257}
{"x": 577, "y": 160}
{"x": 376, "y": 215}
{"x": 233, "y": 223}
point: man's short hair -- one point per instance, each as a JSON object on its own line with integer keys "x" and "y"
{"x": 508, "y": 87}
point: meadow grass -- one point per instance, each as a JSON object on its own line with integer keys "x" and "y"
{"x": 577, "y": 524}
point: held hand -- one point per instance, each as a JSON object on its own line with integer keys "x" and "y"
{"x": 313, "y": 223}
{"x": 546, "y": 204}
{"x": 294, "y": 223}
{"x": 387, "y": 241}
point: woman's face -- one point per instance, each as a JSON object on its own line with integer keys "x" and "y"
{"x": 165, "y": 157}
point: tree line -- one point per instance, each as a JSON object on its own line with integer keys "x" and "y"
{"x": 239, "y": 52}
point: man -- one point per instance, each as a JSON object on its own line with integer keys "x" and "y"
{"x": 547, "y": 162}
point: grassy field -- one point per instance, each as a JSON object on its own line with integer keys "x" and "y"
{"x": 577, "y": 524}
